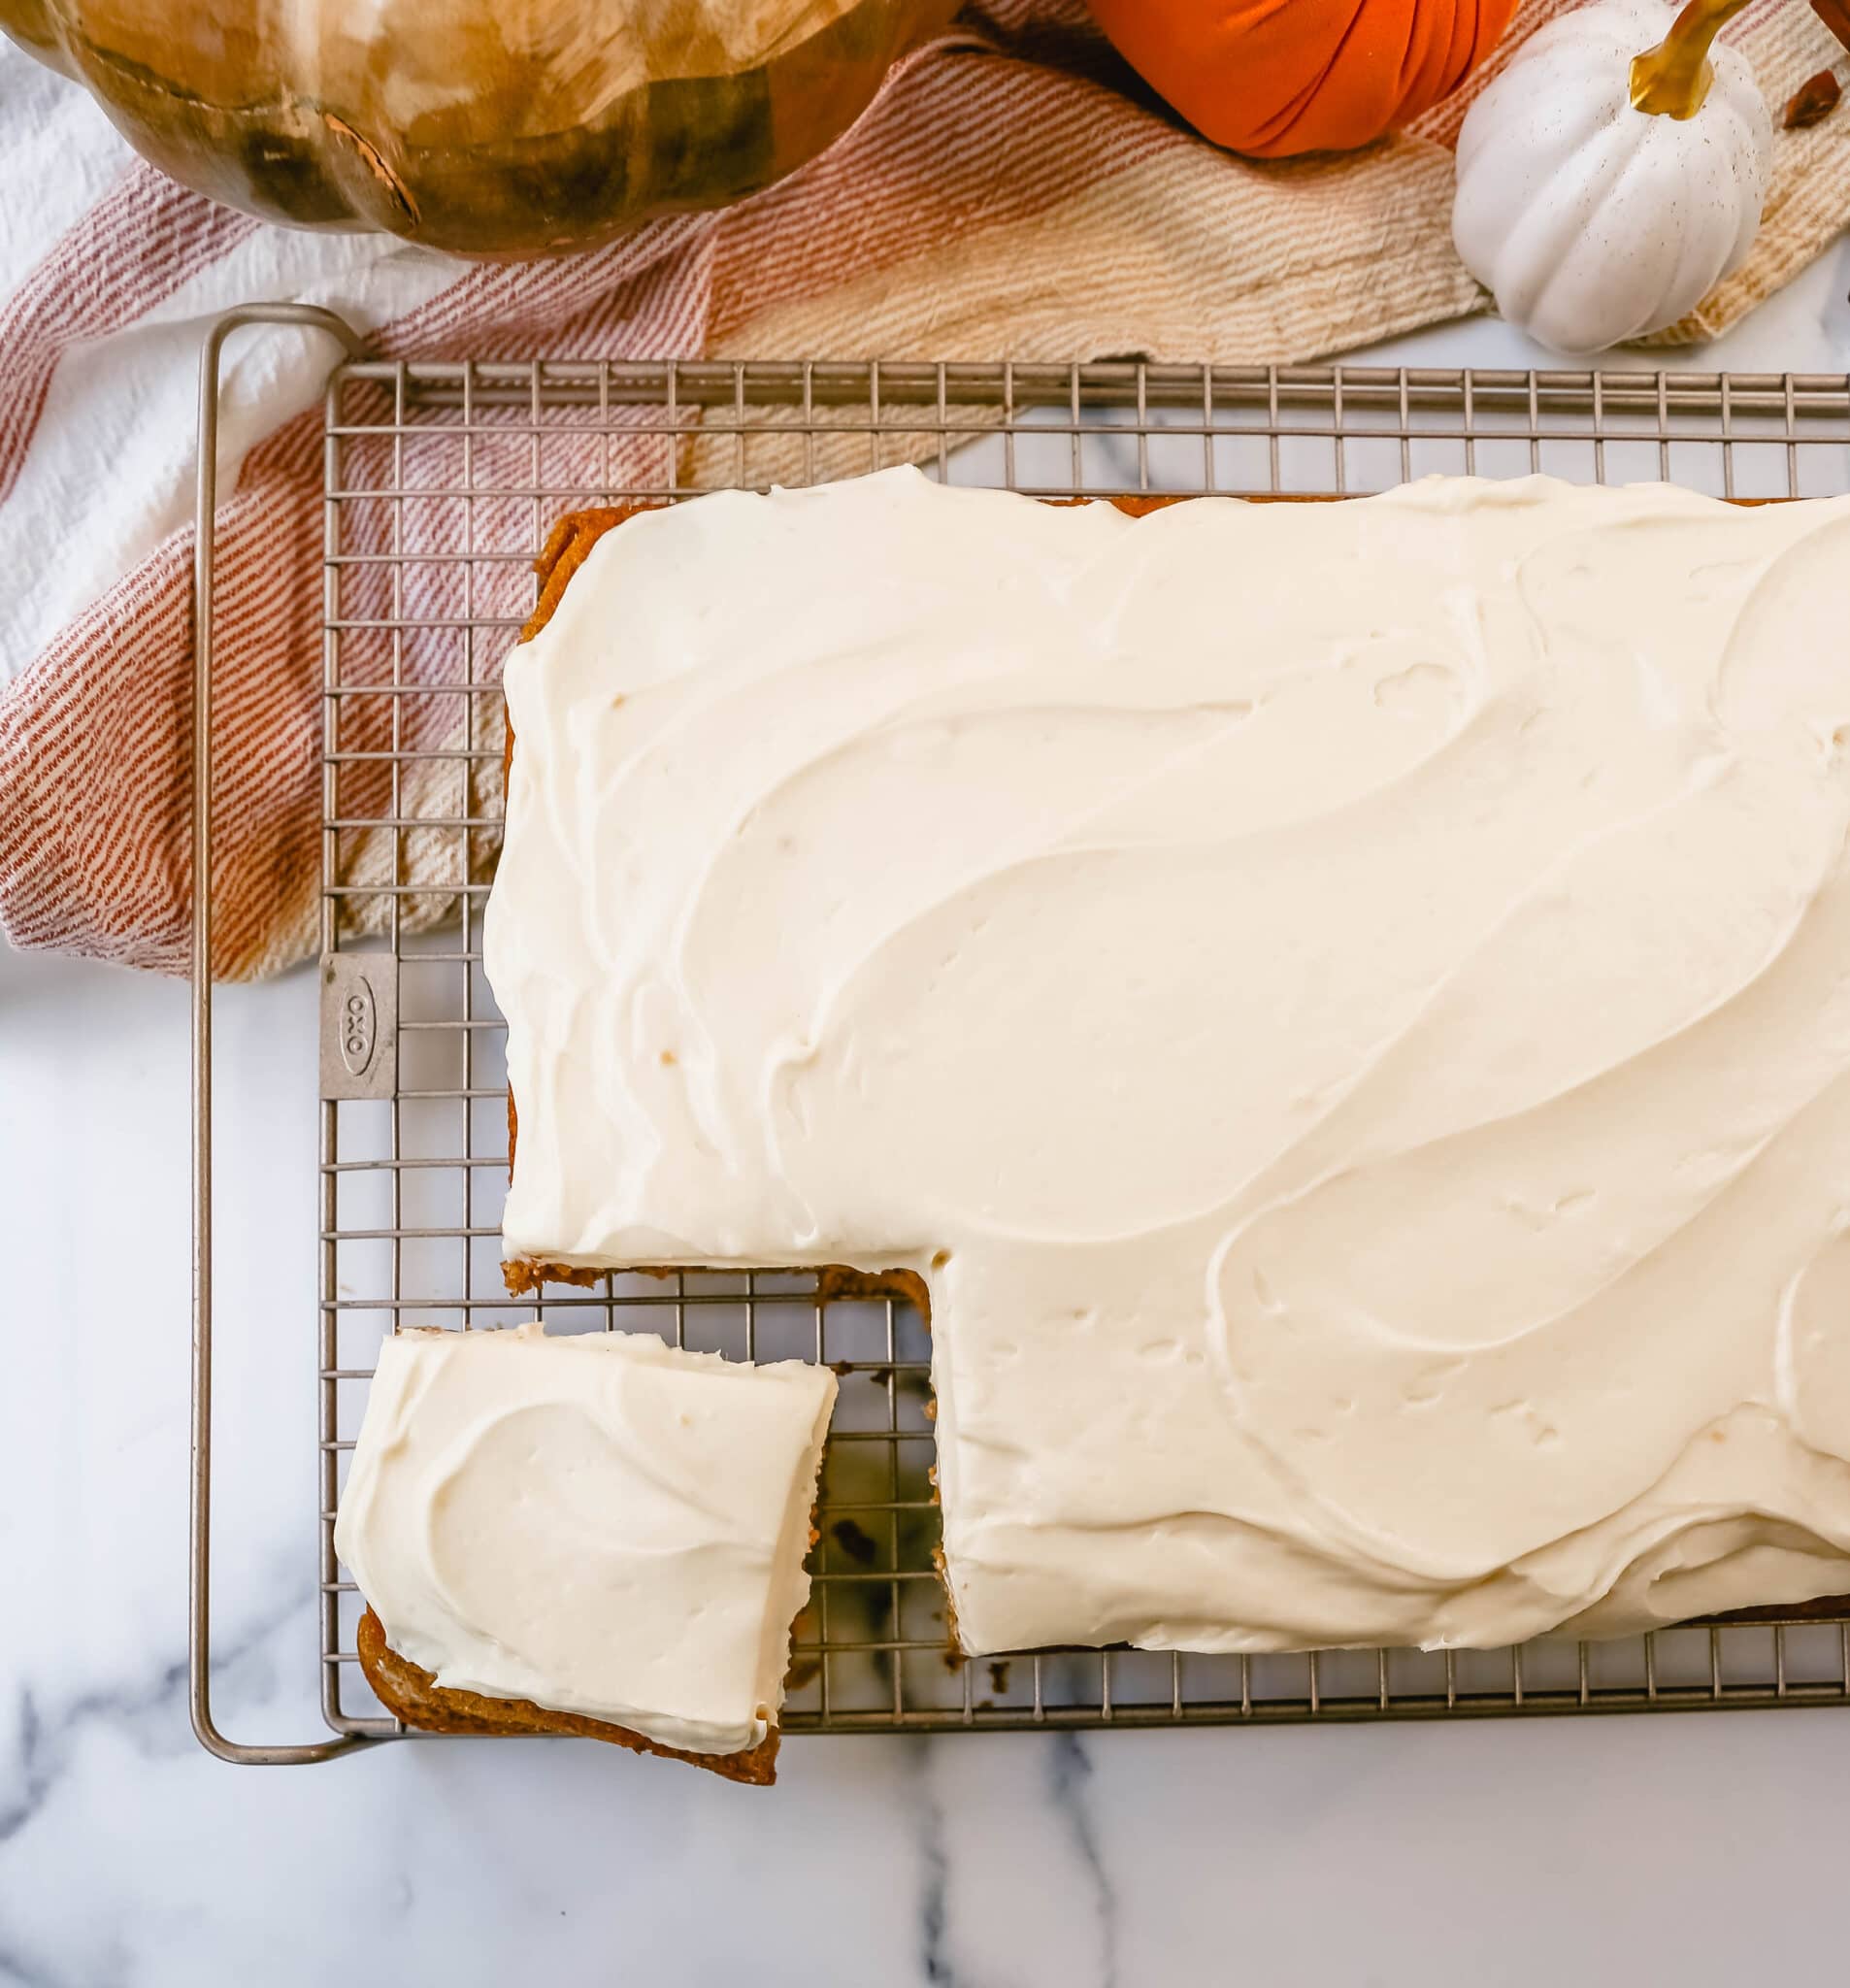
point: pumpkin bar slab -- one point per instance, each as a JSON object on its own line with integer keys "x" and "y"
{"x": 1341, "y": 1007}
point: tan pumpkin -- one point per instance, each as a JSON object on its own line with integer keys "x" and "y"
{"x": 486, "y": 128}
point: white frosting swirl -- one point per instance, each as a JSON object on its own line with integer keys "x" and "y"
{"x": 601, "y": 1524}
{"x": 1348, "y": 1004}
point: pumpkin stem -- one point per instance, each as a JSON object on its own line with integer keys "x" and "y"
{"x": 1673, "y": 80}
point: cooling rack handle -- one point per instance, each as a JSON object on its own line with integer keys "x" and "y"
{"x": 311, "y": 317}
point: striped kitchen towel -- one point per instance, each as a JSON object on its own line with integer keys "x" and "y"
{"x": 1012, "y": 192}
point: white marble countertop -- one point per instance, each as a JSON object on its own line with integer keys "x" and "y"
{"x": 1650, "y": 1848}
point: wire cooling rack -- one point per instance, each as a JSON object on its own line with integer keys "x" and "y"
{"x": 441, "y": 482}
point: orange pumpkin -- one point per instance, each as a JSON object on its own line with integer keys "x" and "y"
{"x": 1277, "y": 77}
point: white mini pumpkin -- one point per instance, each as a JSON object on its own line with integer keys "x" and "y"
{"x": 1602, "y": 198}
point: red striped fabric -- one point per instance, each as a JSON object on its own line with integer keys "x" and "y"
{"x": 135, "y": 247}
{"x": 1017, "y": 119}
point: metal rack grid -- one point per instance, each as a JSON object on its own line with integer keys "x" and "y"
{"x": 442, "y": 481}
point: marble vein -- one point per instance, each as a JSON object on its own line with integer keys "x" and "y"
{"x": 1070, "y": 1774}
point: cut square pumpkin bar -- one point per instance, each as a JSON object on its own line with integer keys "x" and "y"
{"x": 599, "y": 1535}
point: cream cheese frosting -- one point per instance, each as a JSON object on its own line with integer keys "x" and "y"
{"x": 1347, "y": 1006}
{"x": 601, "y": 1524}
